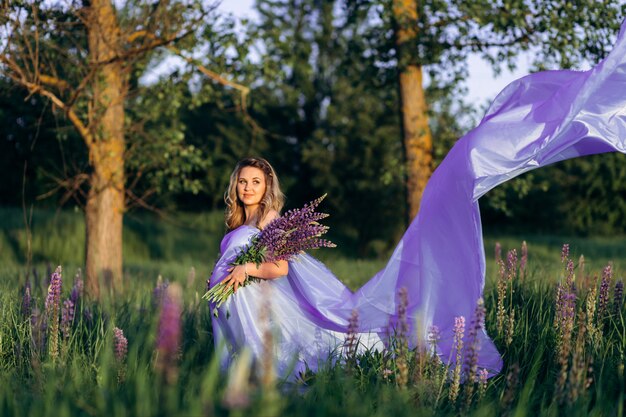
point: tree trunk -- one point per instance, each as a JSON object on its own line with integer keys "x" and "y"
{"x": 417, "y": 139}
{"x": 105, "y": 201}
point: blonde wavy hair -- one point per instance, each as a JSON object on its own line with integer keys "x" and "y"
{"x": 273, "y": 198}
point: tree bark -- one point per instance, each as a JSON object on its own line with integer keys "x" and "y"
{"x": 105, "y": 201}
{"x": 417, "y": 139}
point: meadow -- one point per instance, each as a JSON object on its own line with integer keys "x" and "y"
{"x": 558, "y": 323}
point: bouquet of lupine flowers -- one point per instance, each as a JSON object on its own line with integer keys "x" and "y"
{"x": 283, "y": 238}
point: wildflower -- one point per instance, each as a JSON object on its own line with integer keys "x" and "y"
{"x": 350, "y": 344}
{"x": 473, "y": 347}
{"x": 387, "y": 373}
{"x": 511, "y": 259}
{"x": 502, "y": 285}
{"x": 565, "y": 252}
{"x": 53, "y": 301}
{"x": 169, "y": 333}
{"x": 618, "y": 297}
{"x": 482, "y": 383}
{"x": 577, "y": 378}
{"x": 120, "y": 348}
{"x": 459, "y": 330}
{"x": 120, "y": 344}
{"x": 402, "y": 339}
{"x": 603, "y": 296}
{"x": 594, "y": 332}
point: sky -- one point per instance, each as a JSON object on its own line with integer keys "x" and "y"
{"x": 482, "y": 85}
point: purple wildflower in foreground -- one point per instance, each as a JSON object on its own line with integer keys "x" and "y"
{"x": 53, "y": 302}
{"x": 169, "y": 333}
{"x": 511, "y": 260}
{"x": 565, "y": 252}
{"x": 120, "y": 344}
{"x": 459, "y": 330}
{"x": 603, "y": 296}
{"x": 473, "y": 347}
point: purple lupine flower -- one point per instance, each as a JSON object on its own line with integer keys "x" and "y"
{"x": 120, "y": 344}
{"x": 603, "y": 296}
{"x": 523, "y": 260}
{"x": 498, "y": 252}
{"x": 473, "y": 340}
{"x": 511, "y": 261}
{"x": 26, "y": 300}
{"x": 459, "y": 330}
{"x": 53, "y": 299}
{"x": 351, "y": 342}
{"x": 618, "y": 297}
{"x": 53, "y": 302}
{"x": 169, "y": 333}
{"x": 482, "y": 376}
{"x": 67, "y": 318}
{"x": 565, "y": 252}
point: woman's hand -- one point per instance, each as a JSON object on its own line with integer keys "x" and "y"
{"x": 236, "y": 277}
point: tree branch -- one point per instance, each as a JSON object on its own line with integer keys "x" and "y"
{"x": 35, "y": 88}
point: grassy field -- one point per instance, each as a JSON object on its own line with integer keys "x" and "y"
{"x": 563, "y": 354}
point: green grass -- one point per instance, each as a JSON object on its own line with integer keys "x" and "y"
{"x": 83, "y": 381}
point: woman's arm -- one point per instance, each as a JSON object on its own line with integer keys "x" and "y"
{"x": 266, "y": 270}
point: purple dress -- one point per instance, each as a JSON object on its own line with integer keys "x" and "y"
{"x": 307, "y": 312}
{"x": 535, "y": 121}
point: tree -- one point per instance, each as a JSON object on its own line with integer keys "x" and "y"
{"x": 84, "y": 57}
{"x": 440, "y": 34}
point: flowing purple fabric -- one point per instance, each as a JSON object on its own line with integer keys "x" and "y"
{"x": 537, "y": 120}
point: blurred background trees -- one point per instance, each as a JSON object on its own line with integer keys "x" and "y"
{"x": 323, "y": 105}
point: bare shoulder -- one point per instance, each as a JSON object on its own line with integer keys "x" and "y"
{"x": 271, "y": 215}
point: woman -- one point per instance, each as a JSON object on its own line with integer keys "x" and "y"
{"x": 537, "y": 120}
{"x": 307, "y": 307}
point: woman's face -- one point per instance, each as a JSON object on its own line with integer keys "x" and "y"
{"x": 251, "y": 186}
